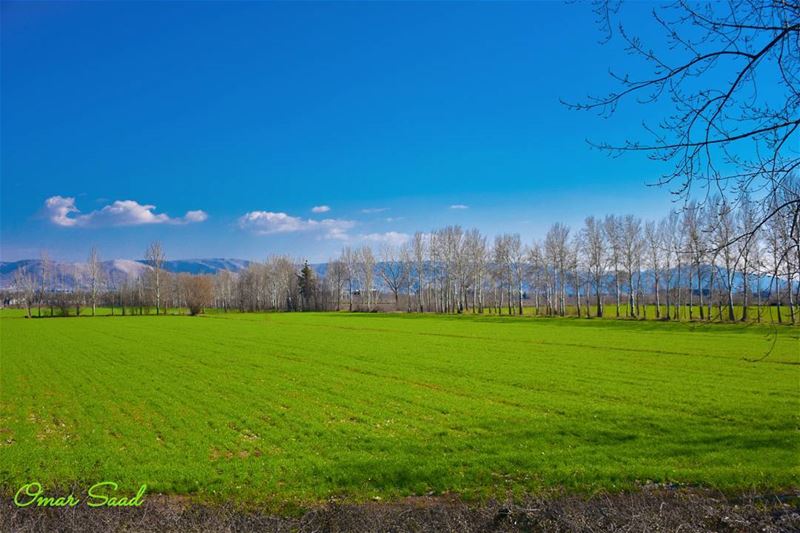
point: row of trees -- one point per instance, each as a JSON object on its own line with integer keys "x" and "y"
{"x": 707, "y": 261}
{"x": 704, "y": 262}
{"x": 51, "y": 292}
{"x": 710, "y": 261}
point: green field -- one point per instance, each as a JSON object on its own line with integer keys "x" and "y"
{"x": 768, "y": 314}
{"x": 280, "y": 409}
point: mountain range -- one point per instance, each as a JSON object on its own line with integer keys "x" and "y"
{"x": 116, "y": 271}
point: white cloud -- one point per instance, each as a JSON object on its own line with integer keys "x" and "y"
{"x": 268, "y": 222}
{"x": 373, "y": 210}
{"x": 335, "y": 228}
{"x": 390, "y": 237}
{"x": 62, "y": 211}
{"x": 320, "y": 209}
{"x": 195, "y": 216}
{"x": 459, "y": 206}
{"x": 59, "y": 208}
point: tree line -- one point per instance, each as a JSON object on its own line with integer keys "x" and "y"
{"x": 716, "y": 260}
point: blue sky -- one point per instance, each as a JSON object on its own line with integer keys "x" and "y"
{"x": 234, "y": 120}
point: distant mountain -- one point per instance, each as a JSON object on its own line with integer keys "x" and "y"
{"x": 204, "y": 266}
{"x": 65, "y": 275}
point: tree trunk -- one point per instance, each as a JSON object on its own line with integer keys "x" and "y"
{"x": 631, "y": 301}
{"x": 658, "y": 300}
{"x": 745, "y": 289}
{"x": 731, "y": 315}
{"x": 700, "y": 291}
{"x": 599, "y": 300}
{"x": 758, "y": 292}
{"x": 791, "y": 295}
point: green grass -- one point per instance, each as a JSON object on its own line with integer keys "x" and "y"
{"x": 280, "y": 409}
{"x": 769, "y": 314}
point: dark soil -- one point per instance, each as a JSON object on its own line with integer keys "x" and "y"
{"x": 646, "y": 510}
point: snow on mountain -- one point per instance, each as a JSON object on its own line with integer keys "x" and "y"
{"x": 66, "y": 275}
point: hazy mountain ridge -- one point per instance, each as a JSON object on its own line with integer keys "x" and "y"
{"x": 65, "y": 274}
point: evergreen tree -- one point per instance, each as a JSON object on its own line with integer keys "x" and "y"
{"x": 308, "y": 285}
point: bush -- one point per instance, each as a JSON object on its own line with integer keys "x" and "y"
{"x": 198, "y": 292}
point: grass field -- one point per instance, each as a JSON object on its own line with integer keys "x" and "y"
{"x": 768, "y": 314}
{"x": 294, "y": 408}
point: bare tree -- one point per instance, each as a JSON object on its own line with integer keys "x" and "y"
{"x": 774, "y": 238}
{"x": 406, "y": 258}
{"x": 45, "y": 286}
{"x": 593, "y": 240}
{"x": 655, "y": 248}
{"x": 25, "y": 286}
{"x": 79, "y": 286}
{"x": 350, "y": 261}
{"x": 155, "y": 258}
{"x": 722, "y": 133}
{"x": 613, "y": 230}
{"x": 420, "y": 249}
{"x": 631, "y": 246}
{"x": 556, "y": 247}
{"x": 366, "y": 264}
{"x": 723, "y": 231}
{"x": 574, "y": 266}
{"x": 516, "y": 258}
{"x": 95, "y": 277}
{"x": 475, "y": 250}
{"x": 393, "y": 271}
{"x": 198, "y": 292}
{"x": 747, "y": 248}
{"x": 667, "y": 230}
{"x": 501, "y": 272}
{"x": 783, "y": 237}
{"x": 696, "y": 247}
{"x": 337, "y": 278}
{"x": 224, "y": 284}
